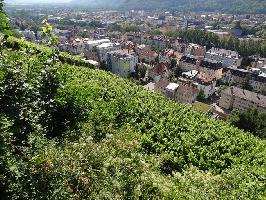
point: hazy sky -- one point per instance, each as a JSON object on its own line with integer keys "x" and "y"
{"x": 37, "y": 1}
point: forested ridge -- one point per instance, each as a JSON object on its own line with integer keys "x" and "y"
{"x": 230, "y": 6}
{"x": 74, "y": 132}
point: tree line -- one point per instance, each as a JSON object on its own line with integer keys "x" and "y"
{"x": 244, "y": 47}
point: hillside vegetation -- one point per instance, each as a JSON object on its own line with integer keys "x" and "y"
{"x": 231, "y": 6}
{"x": 73, "y": 132}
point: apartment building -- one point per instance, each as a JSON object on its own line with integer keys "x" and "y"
{"x": 212, "y": 68}
{"x": 104, "y": 48}
{"x": 234, "y": 98}
{"x": 121, "y": 63}
{"x": 183, "y": 93}
{"x": 160, "y": 71}
{"x": 194, "y": 50}
{"x": 255, "y": 77}
{"x": 189, "y": 63}
{"x": 226, "y": 57}
{"x": 205, "y": 83}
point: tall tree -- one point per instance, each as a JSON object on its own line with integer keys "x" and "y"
{"x": 250, "y": 120}
{"x": 4, "y": 28}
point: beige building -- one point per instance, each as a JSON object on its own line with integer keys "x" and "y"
{"x": 212, "y": 68}
{"x": 186, "y": 94}
{"x": 239, "y": 99}
{"x": 183, "y": 93}
{"x": 189, "y": 63}
{"x": 239, "y": 76}
{"x": 160, "y": 71}
{"x": 195, "y": 50}
{"x": 205, "y": 83}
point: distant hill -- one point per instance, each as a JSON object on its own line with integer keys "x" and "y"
{"x": 234, "y": 6}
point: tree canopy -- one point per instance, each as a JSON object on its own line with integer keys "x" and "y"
{"x": 250, "y": 120}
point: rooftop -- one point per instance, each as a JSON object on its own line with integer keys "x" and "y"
{"x": 247, "y": 95}
{"x": 172, "y": 86}
{"x": 98, "y": 41}
{"x": 190, "y": 74}
{"x": 187, "y": 90}
{"x": 106, "y": 45}
{"x": 160, "y": 68}
{"x": 149, "y": 86}
{"x": 223, "y": 52}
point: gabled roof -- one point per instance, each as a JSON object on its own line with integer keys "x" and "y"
{"x": 211, "y": 64}
{"x": 161, "y": 68}
{"x": 187, "y": 90}
{"x": 246, "y": 95}
{"x": 163, "y": 83}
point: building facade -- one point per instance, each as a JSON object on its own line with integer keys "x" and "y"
{"x": 189, "y": 63}
{"x": 121, "y": 63}
{"x": 234, "y": 98}
{"x": 226, "y": 57}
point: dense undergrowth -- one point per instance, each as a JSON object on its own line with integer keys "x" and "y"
{"x": 72, "y": 132}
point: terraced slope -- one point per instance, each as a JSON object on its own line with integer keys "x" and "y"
{"x": 71, "y": 132}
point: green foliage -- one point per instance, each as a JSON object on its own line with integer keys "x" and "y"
{"x": 208, "y": 39}
{"x": 20, "y": 44}
{"x": 173, "y": 63}
{"x": 48, "y": 34}
{"x": 201, "y": 96}
{"x": 70, "y": 132}
{"x": 154, "y": 32}
{"x": 140, "y": 71}
{"x": 250, "y": 120}
{"x": 115, "y": 27}
{"x": 225, "y": 6}
{"x": 131, "y": 28}
{"x": 173, "y": 34}
{"x": 4, "y": 27}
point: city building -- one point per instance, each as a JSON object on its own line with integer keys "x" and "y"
{"x": 183, "y": 93}
{"x": 205, "y": 83}
{"x": 227, "y": 57}
{"x": 147, "y": 55}
{"x": 234, "y": 98}
{"x": 212, "y": 68}
{"x": 91, "y": 44}
{"x": 29, "y": 35}
{"x": 186, "y": 93}
{"x": 121, "y": 63}
{"x": 160, "y": 71}
{"x": 170, "y": 90}
{"x": 194, "y": 50}
{"x": 168, "y": 55}
{"x": 189, "y": 63}
{"x": 160, "y": 86}
{"x": 255, "y": 77}
{"x": 104, "y": 48}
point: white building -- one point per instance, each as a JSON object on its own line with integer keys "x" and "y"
{"x": 29, "y": 35}
{"x": 90, "y": 44}
{"x": 206, "y": 84}
{"x": 104, "y": 48}
{"x": 226, "y": 57}
{"x": 121, "y": 63}
{"x": 171, "y": 90}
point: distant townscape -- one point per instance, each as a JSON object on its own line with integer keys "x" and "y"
{"x": 130, "y": 99}
{"x": 212, "y": 61}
